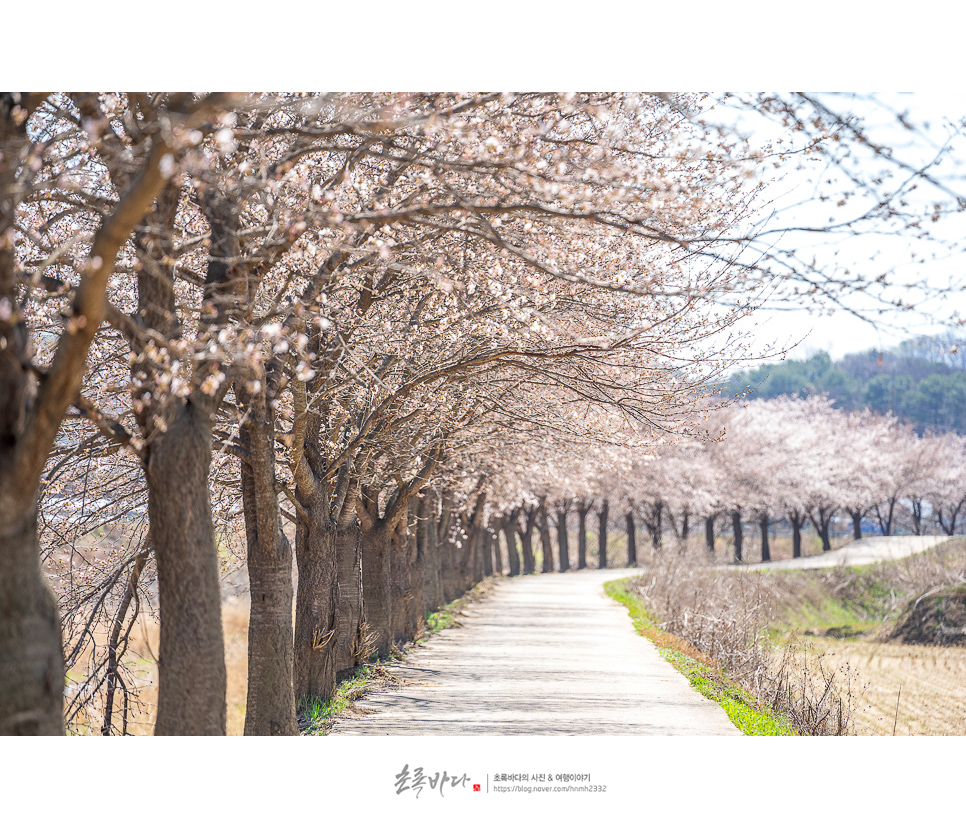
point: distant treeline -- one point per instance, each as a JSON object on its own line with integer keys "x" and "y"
{"x": 922, "y": 381}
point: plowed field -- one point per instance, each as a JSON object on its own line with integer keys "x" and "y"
{"x": 932, "y": 679}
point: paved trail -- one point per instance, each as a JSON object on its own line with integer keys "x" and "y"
{"x": 862, "y": 552}
{"x": 540, "y": 655}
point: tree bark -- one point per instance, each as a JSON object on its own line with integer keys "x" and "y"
{"x": 402, "y": 611}
{"x": 376, "y": 582}
{"x": 270, "y": 706}
{"x": 563, "y": 544}
{"x": 191, "y": 670}
{"x": 631, "y": 539}
{"x": 31, "y": 653}
{"x": 316, "y": 601}
{"x": 351, "y": 635}
{"x": 709, "y": 533}
{"x": 602, "y": 536}
{"x": 428, "y": 528}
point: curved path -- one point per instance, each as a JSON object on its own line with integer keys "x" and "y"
{"x": 540, "y": 655}
{"x": 862, "y": 552}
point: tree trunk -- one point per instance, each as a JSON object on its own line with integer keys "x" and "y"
{"x": 545, "y": 545}
{"x": 376, "y": 584}
{"x": 736, "y": 526}
{"x": 402, "y": 611}
{"x": 351, "y": 635}
{"x": 191, "y": 669}
{"x": 509, "y": 534}
{"x": 582, "y": 511}
{"x": 270, "y": 706}
{"x": 526, "y": 540}
{"x": 685, "y": 525}
{"x": 631, "y": 539}
{"x": 709, "y": 533}
{"x": 427, "y": 525}
{"x": 602, "y": 536}
{"x": 496, "y": 553}
{"x": 856, "y": 525}
{"x": 31, "y": 653}
{"x": 316, "y": 602}
{"x": 487, "y": 545}
{"x": 656, "y": 525}
{"x": 765, "y": 547}
{"x": 821, "y": 525}
{"x": 885, "y": 522}
{"x": 797, "y": 522}
{"x": 563, "y": 545}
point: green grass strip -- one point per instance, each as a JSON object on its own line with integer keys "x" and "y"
{"x": 739, "y": 705}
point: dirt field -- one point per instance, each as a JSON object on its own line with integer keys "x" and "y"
{"x": 932, "y": 700}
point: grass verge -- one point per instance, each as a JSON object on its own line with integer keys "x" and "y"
{"x": 702, "y": 672}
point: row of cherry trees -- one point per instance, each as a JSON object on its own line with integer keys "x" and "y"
{"x": 788, "y": 461}
{"x": 358, "y": 333}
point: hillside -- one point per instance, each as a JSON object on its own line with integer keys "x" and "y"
{"x": 916, "y": 381}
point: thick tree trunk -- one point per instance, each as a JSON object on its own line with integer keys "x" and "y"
{"x": 351, "y": 635}
{"x": 376, "y": 584}
{"x": 736, "y": 526}
{"x": 709, "y": 533}
{"x": 402, "y": 611}
{"x": 582, "y": 511}
{"x": 631, "y": 539}
{"x": 602, "y": 536}
{"x": 270, "y": 706}
{"x": 31, "y": 653}
{"x": 856, "y": 525}
{"x": 428, "y": 531}
{"x": 765, "y": 547}
{"x": 191, "y": 669}
{"x": 316, "y": 603}
{"x": 545, "y": 544}
{"x": 563, "y": 545}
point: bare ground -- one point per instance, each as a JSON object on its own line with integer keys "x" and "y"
{"x": 929, "y": 683}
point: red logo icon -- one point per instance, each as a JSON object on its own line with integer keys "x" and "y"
{"x": 476, "y": 787}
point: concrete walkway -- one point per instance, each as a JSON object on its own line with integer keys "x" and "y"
{"x": 862, "y": 552}
{"x": 540, "y": 655}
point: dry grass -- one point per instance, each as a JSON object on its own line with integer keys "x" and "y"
{"x": 838, "y": 670}
{"x": 725, "y": 616}
{"x": 141, "y": 661}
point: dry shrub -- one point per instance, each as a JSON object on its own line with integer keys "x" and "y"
{"x": 724, "y": 614}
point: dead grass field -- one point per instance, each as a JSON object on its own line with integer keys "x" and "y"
{"x": 141, "y": 658}
{"x": 932, "y": 679}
